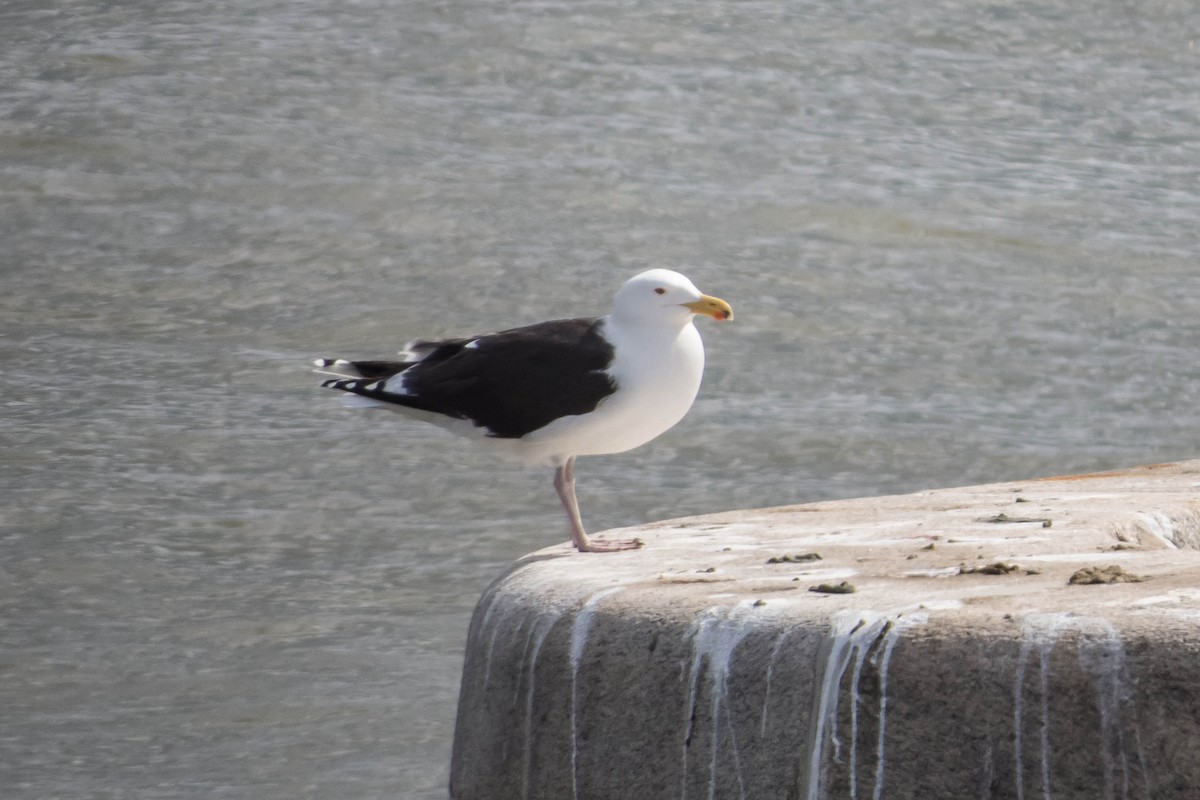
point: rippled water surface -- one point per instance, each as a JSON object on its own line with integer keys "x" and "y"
{"x": 961, "y": 239}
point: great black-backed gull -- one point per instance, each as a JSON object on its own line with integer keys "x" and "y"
{"x": 550, "y": 392}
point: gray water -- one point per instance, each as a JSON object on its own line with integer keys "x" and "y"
{"x": 961, "y": 239}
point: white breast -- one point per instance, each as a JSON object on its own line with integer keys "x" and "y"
{"x": 657, "y": 370}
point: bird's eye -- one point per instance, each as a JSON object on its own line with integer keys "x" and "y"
{"x": 660, "y": 290}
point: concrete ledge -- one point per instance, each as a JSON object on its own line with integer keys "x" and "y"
{"x": 964, "y": 664}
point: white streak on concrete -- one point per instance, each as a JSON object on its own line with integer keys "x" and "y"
{"x": 845, "y": 625}
{"x": 1041, "y": 631}
{"x": 989, "y": 771}
{"x": 932, "y": 572}
{"x": 892, "y": 635}
{"x": 538, "y": 630}
{"x": 1018, "y": 704}
{"x": 940, "y": 605}
{"x": 860, "y": 657}
{"x": 485, "y": 624}
{"x": 779, "y": 640}
{"x": 715, "y": 636}
{"x": 1101, "y": 656}
{"x": 580, "y": 628}
{"x": 1085, "y": 558}
{"x": 1103, "y": 659}
{"x": 487, "y": 668}
{"x": 497, "y": 601}
{"x": 852, "y": 636}
{"x": 1044, "y": 662}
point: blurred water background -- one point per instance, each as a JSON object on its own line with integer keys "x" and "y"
{"x": 961, "y": 239}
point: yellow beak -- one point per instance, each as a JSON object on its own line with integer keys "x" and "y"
{"x": 713, "y": 307}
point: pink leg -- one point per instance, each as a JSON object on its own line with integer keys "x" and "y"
{"x": 564, "y": 484}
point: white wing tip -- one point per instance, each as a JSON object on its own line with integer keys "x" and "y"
{"x": 335, "y": 366}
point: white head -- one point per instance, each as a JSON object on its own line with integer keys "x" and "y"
{"x": 666, "y": 296}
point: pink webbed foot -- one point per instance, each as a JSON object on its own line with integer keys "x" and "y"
{"x": 601, "y": 546}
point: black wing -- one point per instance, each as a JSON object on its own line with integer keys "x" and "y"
{"x": 511, "y": 383}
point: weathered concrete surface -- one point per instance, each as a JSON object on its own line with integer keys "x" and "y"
{"x": 695, "y": 669}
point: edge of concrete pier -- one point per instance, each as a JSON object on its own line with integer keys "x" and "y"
{"x": 1034, "y": 638}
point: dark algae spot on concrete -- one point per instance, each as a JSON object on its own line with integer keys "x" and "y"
{"x": 1002, "y": 518}
{"x": 844, "y": 588}
{"x": 1113, "y": 573}
{"x": 799, "y": 558}
{"x": 997, "y": 568}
